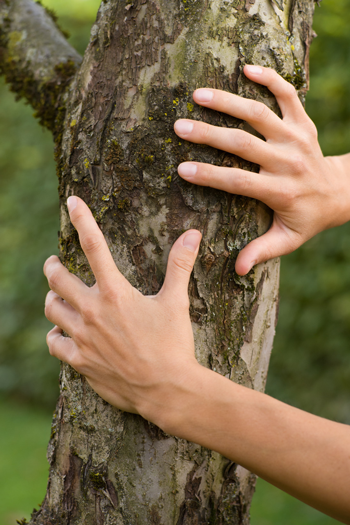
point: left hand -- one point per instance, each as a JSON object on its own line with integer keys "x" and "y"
{"x": 307, "y": 191}
{"x": 135, "y": 351}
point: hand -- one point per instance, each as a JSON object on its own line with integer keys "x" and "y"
{"x": 135, "y": 351}
{"x": 308, "y": 192}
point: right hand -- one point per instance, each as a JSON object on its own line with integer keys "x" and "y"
{"x": 136, "y": 351}
{"x": 307, "y": 191}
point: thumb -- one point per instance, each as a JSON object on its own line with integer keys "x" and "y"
{"x": 279, "y": 240}
{"x": 181, "y": 260}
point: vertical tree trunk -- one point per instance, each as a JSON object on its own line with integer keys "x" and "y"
{"x": 119, "y": 153}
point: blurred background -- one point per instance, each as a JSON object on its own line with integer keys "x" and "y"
{"x": 310, "y": 364}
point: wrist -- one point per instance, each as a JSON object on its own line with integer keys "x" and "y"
{"x": 167, "y": 405}
{"x": 196, "y": 401}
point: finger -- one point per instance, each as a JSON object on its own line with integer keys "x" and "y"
{"x": 93, "y": 243}
{"x": 279, "y": 240}
{"x": 257, "y": 114}
{"x": 232, "y": 180}
{"x": 64, "y": 348}
{"x": 65, "y": 284}
{"x": 235, "y": 141}
{"x": 285, "y": 93}
{"x": 180, "y": 265}
{"x": 61, "y": 313}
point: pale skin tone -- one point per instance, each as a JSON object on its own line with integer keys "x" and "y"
{"x": 110, "y": 325}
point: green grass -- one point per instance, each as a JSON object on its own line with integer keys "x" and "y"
{"x": 271, "y": 506}
{"x": 24, "y": 434}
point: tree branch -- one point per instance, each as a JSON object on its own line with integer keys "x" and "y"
{"x": 35, "y": 58}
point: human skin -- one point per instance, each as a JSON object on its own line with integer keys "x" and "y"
{"x": 111, "y": 324}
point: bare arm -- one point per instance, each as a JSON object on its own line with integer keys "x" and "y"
{"x": 304, "y": 455}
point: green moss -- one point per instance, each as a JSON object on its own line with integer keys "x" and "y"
{"x": 14, "y": 38}
{"x": 97, "y": 480}
{"x": 298, "y": 77}
{"x": 115, "y": 153}
{"x": 42, "y": 98}
{"x": 124, "y": 204}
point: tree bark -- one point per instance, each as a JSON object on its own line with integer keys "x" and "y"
{"x": 119, "y": 153}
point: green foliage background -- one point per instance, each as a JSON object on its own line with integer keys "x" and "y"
{"x": 28, "y": 231}
{"x": 310, "y": 365}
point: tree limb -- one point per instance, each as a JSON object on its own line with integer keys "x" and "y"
{"x": 35, "y": 58}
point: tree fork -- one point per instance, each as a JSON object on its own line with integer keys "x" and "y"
{"x": 35, "y": 58}
{"x": 118, "y": 151}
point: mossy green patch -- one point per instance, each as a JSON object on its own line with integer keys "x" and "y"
{"x": 97, "y": 480}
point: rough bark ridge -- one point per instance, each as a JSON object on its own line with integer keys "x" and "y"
{"x": 119, "y": 153}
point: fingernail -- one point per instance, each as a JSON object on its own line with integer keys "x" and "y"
{"x": 204, "y": 95}
{"x": 72, "y": 203}
{"x": 255, "y": 70}
{"x": 191, "y": 241}
{"x": 183, "y": 127}
{"x": 187, "y": 170}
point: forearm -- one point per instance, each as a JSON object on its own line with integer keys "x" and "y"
{"x": 302, "y": 454}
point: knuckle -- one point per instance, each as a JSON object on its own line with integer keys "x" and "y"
{"x": 244, "y": 140}
{"x": 291, "y": 133}
{"x": 297, "y": 164}
{"x": 49, "y": 262}
{"x": 54, "y": 278}
{"x": 48, "y": 305}
{"x": 77, "y": 361}
{"x": 242, "y": 181}
{"x": 50, "y": 343}
{"x": 183, "y": 302}
{"x": 311, "y": 129}
{"x": 204, "y": 132}
{"x": 48, "y": 308}
{"x": 207, "y": 173}
{"x": 51, "y": 349}
{"x": 259, "y": 111}
{"x": 119, "y": 296}
{"x": 77, "y": 334}
{"x": 183, "y": 263}
{"x": 89, "y": 314}
{"x": 289, "y": 90}
{"x": 91, "y": 243}
{"x": 77, "y": 216}
{"x": 288, "y": 195}
{"x": 305, "y": 141}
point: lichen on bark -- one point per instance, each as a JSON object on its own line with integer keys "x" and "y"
{"x": 118, "y": 151}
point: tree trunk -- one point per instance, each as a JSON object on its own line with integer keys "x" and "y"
{"x": 117, "y": 150}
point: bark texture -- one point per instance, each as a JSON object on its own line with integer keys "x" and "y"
{"x": 119, "y": 153}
